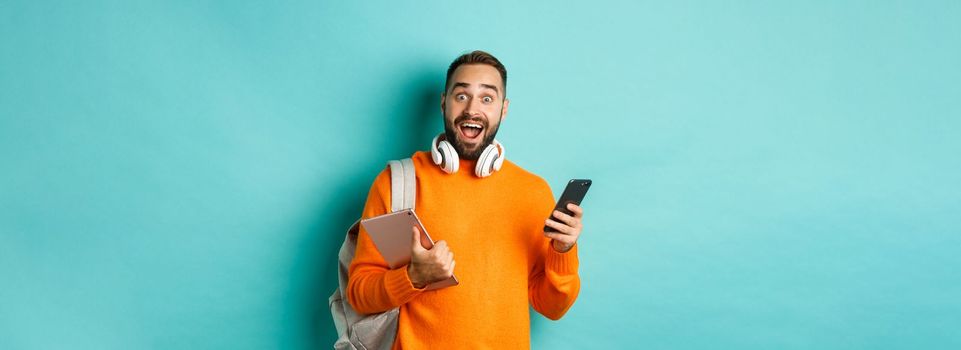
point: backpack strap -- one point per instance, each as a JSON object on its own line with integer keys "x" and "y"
{"x": 403, "y": 184}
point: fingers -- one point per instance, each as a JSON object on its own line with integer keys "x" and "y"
{"x": 441, "y": 253}
{"x": 415, "y": 244}
{"x": 562, "y": 228}
{"x": 443, "y": 260}
{"x": 567, "y": 219}
{"x": 568, "y": 227}
{"x": 560, "y": 237}
{"x": 431, "y": 265}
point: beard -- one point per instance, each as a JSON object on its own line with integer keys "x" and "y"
{"x": 453, "y": 137}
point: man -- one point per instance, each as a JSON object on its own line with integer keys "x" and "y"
{"x": 493, "y": 220}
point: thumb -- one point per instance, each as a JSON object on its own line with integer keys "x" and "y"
{"x": 415, "y": 244}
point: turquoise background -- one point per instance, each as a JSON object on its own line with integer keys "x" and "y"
{"x": 769, "y": 175}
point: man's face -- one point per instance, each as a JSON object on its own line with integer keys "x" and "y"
{"x": 473, "y": 107}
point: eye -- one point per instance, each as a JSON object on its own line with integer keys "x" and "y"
{"x": 461, "y": 97}
{"x": 488, "y": 99}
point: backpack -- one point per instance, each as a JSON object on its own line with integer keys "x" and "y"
{"x": 374, "y": 331}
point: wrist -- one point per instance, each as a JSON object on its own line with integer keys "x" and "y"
{"x": 561, "y": 247}
{"x": 413, "y": 280}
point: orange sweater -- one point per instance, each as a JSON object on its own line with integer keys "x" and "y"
{"x": 494, "y": 226}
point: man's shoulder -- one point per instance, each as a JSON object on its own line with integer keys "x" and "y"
{"x": 422, "y": 159}
{"x": 380, "y": 188}
{"x": 524, "y": 176}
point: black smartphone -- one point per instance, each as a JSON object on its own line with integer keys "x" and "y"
{"x": 574, "y": 193}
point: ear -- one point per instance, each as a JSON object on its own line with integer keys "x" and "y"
{"x": 443, "y": 107}
{"x": 507, "y": 103}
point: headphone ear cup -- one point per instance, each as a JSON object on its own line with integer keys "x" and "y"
{"x": 450, "y": 161}
{"x": 485, "y": 163}
{"x": 434, "y": 152}
{"x": 495, "y": 163}
{"x": 500, "y": 156}
{"x": 502, "y": 152}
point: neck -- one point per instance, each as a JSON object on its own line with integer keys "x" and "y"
{"x": 468, "y": 165}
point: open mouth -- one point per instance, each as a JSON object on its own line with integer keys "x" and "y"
{"x": 471, "y": 131}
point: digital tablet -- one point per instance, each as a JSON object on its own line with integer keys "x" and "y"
{"x": 391, "y": 234}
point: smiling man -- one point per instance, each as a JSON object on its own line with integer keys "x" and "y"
{"x": 488, "y": 211}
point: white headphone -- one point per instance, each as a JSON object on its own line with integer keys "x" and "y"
{"x": 489, "y": 161}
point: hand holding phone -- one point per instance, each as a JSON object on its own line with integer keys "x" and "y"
{"x": 564, "y": 227}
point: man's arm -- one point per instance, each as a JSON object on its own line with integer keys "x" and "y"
{"x": 371, "y": 286}
{"x": 554, "y": 283}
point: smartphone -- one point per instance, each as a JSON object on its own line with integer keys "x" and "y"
{"x": 574, "y": 193}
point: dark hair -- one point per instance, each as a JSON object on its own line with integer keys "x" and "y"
{"x": 477, "y": 57}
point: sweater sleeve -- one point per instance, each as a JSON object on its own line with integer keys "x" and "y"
{"x": 553, "y": 282}
{"x": 372, "y": 287}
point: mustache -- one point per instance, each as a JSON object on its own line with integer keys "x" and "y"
{"x": 466, "y": 118}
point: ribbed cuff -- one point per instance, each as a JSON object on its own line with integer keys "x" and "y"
{"x": 562, "y": 263}
{"x": 399, "y": 288}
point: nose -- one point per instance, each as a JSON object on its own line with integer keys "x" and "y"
{"x": 471, "y": 109}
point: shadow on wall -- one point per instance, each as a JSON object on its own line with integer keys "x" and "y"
{"x": 416, "y": 121}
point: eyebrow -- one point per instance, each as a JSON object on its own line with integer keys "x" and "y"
{"x": 465, "y": 85}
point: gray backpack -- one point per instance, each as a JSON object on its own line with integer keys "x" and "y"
{"x": 374, "y": 331}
